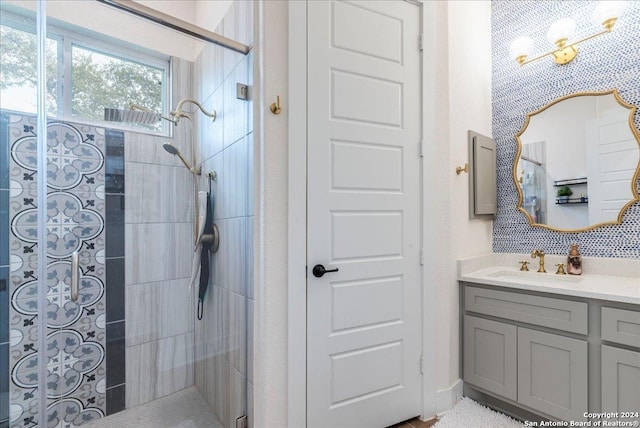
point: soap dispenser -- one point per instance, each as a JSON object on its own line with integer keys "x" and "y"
{"x": 574, "y": 261}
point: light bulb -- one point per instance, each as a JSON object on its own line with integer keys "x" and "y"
{"x": 520, "y": 47}
{"x": 562, "y": 29}
{"x": 607, "y": 11}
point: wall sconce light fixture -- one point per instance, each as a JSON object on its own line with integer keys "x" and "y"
{"x": 606, "y": 14}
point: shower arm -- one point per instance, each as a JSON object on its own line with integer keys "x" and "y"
{"x": 177, "y": 113}
{"x": 192, "y": 168}
{"x": 133, "y": 106}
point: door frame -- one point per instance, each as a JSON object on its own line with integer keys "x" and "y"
{"x": 297, "y": 212}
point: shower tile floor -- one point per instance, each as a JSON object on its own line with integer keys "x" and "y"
{"x": 184, "y": 409}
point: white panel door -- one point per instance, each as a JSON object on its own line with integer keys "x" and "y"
{"x": 612, "y": 157}
{"x": 364, "y": 334}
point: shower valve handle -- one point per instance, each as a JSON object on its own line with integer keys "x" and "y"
{"x": 319, "y": 271}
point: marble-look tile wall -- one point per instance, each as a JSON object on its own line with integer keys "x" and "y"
{"x": 159, "y": 241}
{"x": 223, "y": 340}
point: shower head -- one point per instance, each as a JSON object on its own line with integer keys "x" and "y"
{"x": 171, "y": 149}
{"x": 131, "y": 116}
{"x": 136, "y": 114}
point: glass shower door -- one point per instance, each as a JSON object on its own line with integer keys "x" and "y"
{"x": 20, "y": 203}
{"x": 81, "y": 337}
{"x": 85, "y": 235}
{"x": 52, "y": 241}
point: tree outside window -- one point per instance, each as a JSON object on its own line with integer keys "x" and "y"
{"x": 98, "y": 80}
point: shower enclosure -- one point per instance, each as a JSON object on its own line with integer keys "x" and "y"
{"x": 533, "y": 179}
{"x": 533, "y": 189}
{"x": 97, "y": 318}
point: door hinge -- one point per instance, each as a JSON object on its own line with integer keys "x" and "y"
{"x": 421, "y": 364}
{"x": 241, "y": 422}
{"x": 420, "y": 42}
{"x": 421, "y": 256}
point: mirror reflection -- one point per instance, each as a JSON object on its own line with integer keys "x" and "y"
{"x": 578, "y": 162}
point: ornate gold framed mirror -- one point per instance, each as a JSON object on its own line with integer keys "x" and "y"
{"x": 578, "y": 162}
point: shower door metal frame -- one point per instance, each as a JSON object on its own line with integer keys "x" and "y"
{"x": 177, "y": 24}
{"x": 41, "y": 197}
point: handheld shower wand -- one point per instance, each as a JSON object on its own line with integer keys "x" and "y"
{"x": 171, "y": 149}
{"x": 175, "y": 116}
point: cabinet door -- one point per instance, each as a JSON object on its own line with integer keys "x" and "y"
{"x": 620, "y": 381}
{"x": 490, "y": 356}
{"x": 552, "y": 374}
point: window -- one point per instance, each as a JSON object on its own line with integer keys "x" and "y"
{"x": 99, "y": 80}
{"x": 18, "y": 69}
{"x": 83, "y": 76}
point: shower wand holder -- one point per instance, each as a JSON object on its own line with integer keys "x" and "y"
{"x": 212, "y": 238}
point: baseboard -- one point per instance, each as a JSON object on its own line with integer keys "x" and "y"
{"x": 447, "y": 398}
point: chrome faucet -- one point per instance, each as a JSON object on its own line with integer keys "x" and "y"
{"x": 540, "y": 254}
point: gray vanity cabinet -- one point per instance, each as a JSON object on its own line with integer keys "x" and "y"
{"x": 621, "y": 367}
{"x": 526, "y": 350}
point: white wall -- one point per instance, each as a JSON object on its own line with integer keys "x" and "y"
{"x": 126, "y": 27}
{"x": 208, "y": 13}
{"x": 180, "y": 9}
{"x": 203, "y": 13}
{"x": 465, "y": 96}
{"x": 270, "y": 166}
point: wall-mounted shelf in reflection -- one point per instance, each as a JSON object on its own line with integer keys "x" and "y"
{"x": 570, "y": 182}
{"x": 572, "y": 201}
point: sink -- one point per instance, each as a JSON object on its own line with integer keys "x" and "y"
{"x": 534, "y": 276}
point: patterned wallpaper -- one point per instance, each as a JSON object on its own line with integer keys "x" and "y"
{"x": 607, "y": 62}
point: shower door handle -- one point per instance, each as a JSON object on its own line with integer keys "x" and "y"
{"x": 75, "y": 276}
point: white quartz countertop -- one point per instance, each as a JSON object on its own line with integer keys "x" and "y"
{"x": 493, "y": 271}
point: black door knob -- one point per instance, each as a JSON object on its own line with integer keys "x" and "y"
{"x": 319, "y": 270}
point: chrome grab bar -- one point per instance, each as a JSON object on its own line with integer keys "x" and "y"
{"x": 75, "y": 276}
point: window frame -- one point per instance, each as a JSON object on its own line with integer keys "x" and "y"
{"x": 66, "y": 39}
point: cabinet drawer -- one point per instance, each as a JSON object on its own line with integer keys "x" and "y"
{"x": 560, "y": 314}
{"x": 621, "y": 326}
